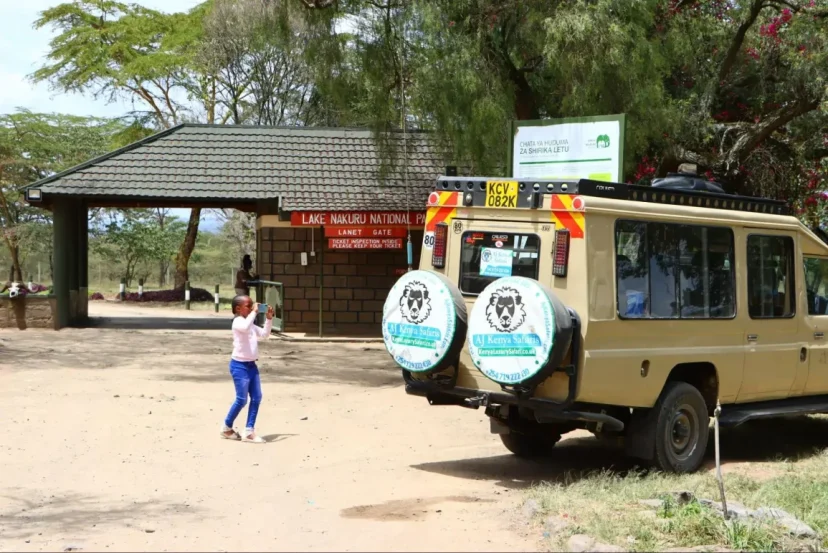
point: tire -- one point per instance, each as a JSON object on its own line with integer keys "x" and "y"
{"x": 681, "y": 428}
{"x": 530, "y": 445}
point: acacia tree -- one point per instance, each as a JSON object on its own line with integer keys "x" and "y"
{"x": 34, "y": 146}
{"x": 117, "y": 50}
{"x": 135, "y": 239}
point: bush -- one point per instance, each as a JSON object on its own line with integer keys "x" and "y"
{"x": 167, "y": 296}
{"x": 97, "y": 296}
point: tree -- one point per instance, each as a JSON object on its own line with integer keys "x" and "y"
{"x": 34, "y": 146}
{"x": 737, "y": 88}
{"x": 239, "y": 229}
{"x": 255, "y": 49}
{"x": 113, "y": 49}
{"x": 134, "y": 238}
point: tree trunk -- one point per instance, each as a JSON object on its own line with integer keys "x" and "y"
{"x": 163, "y": 272}
{"x": 16, "y": 273}
{"x": 182, "y": 260}
{"x": 526, "y": 106}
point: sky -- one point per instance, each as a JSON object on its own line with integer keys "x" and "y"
{"x": 23, "y": 49}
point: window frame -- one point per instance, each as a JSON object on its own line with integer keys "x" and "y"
{"x": 733, "y": 279}
{"x": 509, "y": 232}
{"x": 793, "y": 275}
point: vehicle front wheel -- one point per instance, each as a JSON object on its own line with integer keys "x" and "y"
{"x": 681, "y": 428}
{"x": 530, "y": 445}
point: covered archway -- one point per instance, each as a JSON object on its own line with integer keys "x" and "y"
{"x": 277, "y": 173}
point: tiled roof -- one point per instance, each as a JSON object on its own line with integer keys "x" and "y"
{"x": 307, "y": 168}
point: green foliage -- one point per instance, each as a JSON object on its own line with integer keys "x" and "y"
{"x": 34, "y": 146}
{"x": 605, "y": 505}
{"x": 115, "y": 49}
{"x": 736, "y": 88}
{"x": 135, "y": 239}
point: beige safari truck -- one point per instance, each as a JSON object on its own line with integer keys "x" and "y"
{"x": 629, "y": 311}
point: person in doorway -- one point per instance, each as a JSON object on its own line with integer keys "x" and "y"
{"x": 243, "y": 276}
{"x": 243, "y": 368}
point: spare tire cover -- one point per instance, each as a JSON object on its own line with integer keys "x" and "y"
{"x": 424, "y": 322}
{"x": 519, "y": 331}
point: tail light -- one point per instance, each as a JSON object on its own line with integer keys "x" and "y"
{"x": 438, "y": 254}
{"x": 561, "y": 257}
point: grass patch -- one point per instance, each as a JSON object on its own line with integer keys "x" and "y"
{"x": 605, "y": 505}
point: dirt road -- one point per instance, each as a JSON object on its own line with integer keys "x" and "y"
{"x": 112, "y": 441}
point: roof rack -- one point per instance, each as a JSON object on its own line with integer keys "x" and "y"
{"x": 474, "y": 190}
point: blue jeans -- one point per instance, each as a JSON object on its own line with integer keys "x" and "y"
{"x": 246, "y": 378}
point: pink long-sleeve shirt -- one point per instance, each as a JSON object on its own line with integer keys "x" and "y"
{"x": 246, "y": 336}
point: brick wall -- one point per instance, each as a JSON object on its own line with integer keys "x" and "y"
{"x": 32, "y": 312}
{"x": 354, "y": 282}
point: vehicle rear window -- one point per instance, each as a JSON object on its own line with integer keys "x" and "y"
{"x": 487, "y": 256}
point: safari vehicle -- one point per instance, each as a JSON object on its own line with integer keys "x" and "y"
{"x": 630, "y": 311}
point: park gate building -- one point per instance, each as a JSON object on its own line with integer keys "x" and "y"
{"x": 332, "y": 222}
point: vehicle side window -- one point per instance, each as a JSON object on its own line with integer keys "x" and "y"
{"x": 670, "y": 271}
{"x": 487, "y": 256}
{"x": 770, "y": 273}
{"x": 816, "y": 284}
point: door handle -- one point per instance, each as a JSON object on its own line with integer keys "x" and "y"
{"x": 752, "y": 337}
{"x": 819, "y": 335}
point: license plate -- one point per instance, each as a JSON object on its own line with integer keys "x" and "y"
{"x": 501, "y": 193}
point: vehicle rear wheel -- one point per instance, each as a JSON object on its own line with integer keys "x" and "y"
{"x": 681, "y": 428}
{"x": 530, "y": 445}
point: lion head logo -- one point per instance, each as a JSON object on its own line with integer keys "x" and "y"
{"x": 505, "y": 311}
{"x": 415, "y": 303}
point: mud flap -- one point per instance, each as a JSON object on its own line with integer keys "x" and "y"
{"x": 497, "y": 427}
{"x": 639, "y": 441}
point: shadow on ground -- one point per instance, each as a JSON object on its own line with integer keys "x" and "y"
{"x": 784, "y": 439}
{"x": 276, "y": 437}
{"x": 160, "y": 323}
{"x": 778, "y": 440}
{"x": 306, "y": 363}
{"x": 77, "y": 513}
{"x": 187, "y": 355}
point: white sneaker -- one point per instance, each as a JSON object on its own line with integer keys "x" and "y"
{"x": 234, "y": 436}
{"x": 247, "y": 438}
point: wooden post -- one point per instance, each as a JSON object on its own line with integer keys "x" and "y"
{"x": 140, "y": 288}
{"x": 217, "y": 298}
{"x": 122, "y": 292}
{"x": 187, "y": 295}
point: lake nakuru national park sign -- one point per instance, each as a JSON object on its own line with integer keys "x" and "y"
{"x": 365, "y": 243}
{"x": 362, "y": 230}
{"x": 365, "y": 232}
{"x": 357, "y": 218}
